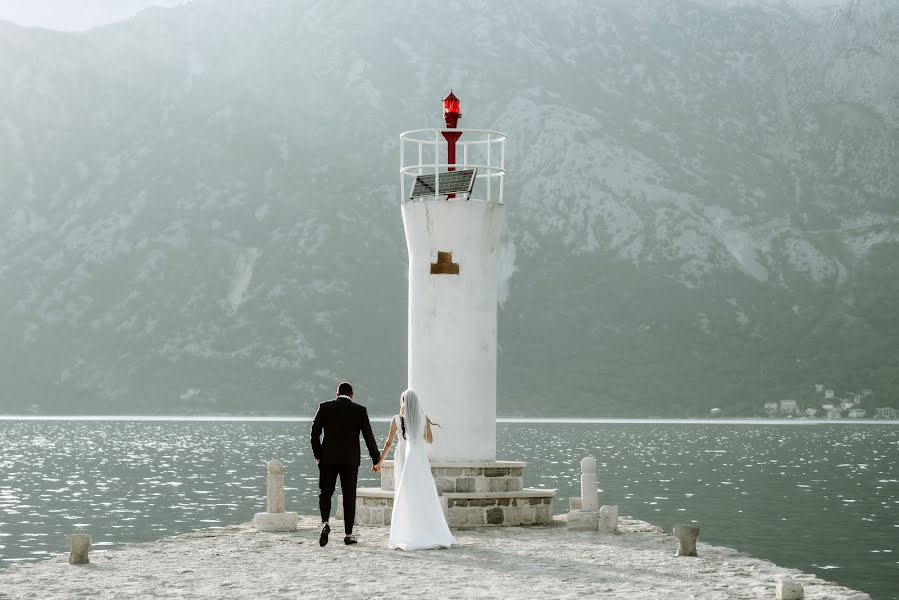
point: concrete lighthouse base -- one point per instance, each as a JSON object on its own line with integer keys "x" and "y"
{"x": 472, "y": 494}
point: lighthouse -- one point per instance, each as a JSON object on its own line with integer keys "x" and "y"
{"x": 451, "y": 200}
{"x": 453, "y": 217}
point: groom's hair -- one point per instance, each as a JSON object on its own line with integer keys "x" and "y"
{"x": 345, "y": 389}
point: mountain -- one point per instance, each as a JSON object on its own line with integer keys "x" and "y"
{"x": 199, "y": 209}
{"x": 66, "y": 15}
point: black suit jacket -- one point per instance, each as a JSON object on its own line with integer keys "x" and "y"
{"x": 342, "y": 420}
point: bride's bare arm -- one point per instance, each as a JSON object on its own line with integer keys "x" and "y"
{"x": 388, "y": 443}
{"x": 429, "y": 436}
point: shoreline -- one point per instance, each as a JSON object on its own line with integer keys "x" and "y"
{"x": 513, "y": 420}
{"x": 492, "y": 562}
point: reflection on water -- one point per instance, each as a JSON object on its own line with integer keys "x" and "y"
{"x": 822, "y": 498}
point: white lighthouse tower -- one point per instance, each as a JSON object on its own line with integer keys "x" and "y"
{"x": 454, "y": 216}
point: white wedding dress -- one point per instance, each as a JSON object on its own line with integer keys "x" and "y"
{"x": 417, "y": 522}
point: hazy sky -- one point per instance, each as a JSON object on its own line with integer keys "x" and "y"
{"x": 77, "y": 15}
{"x": 74, "y": 15}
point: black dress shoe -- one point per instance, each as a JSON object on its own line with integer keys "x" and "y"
{"x": 323, "y": 538}
{"x": 350, "y": 540}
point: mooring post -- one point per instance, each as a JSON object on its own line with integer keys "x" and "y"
{"x": 608, "y": 519}
{"x": 79, "y": 545}
{"x": 275, "y": 487}
{"x": 589, "y": 495}
{"x": 686, "y": 539}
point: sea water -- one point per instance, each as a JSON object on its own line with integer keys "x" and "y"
{"x": 823, "y": 498}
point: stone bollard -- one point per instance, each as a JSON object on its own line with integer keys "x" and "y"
{"x": 583, "y": 513}
{"x": 275, "y": 487}
{"x": 608, "y": 519}
{"x": 789, "y": 589}
{"x": 686, "y": 539}
{"x": 589, "y": 496}
{"x": 275, "y": 519}
{"x": 79, "y": 545}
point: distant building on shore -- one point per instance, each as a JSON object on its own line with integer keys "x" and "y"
{"x": 827, "y": 407}
{"x": 828, "y": 394}
{"x": 834, "y": 413}
{"x": 856, "y": 413}
{"x": 788, "y": 406}
{"x": 811, "y": 412}
{"x": 884, "y": 412}
{"x": 770, "y": 408}
{"x": 846, "y": 403}
{"x": 819, "y": 387}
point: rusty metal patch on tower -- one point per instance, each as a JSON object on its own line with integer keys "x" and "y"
{"x": 444, "y": 265}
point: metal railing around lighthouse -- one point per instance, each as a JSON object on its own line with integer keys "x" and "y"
{"x": 423, "y": 152}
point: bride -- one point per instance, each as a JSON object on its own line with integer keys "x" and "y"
{"x": 417, "y": 522}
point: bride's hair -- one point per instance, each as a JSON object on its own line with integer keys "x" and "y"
{"x": 402, "y": 411}
{"x": 414, "y": 419}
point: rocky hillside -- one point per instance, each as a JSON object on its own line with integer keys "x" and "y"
{"x": 199, "y": 210}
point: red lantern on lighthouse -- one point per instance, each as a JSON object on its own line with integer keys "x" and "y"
{"x": 451, "y": 111}
{"x": 451, "y": 114}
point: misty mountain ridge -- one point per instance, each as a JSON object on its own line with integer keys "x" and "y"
{"x": 201, "y": 209}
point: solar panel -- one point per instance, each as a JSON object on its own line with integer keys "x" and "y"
{"x": 451, "y": 182}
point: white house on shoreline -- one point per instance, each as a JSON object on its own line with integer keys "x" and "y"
{"x": 884, "y": 412}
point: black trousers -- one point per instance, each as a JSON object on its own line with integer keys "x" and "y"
{"x": 327, "y": 480}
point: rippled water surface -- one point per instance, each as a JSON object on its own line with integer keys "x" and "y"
{"x": 821, "y": 498}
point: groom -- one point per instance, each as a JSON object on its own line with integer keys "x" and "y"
{"x": 337, "y": 455}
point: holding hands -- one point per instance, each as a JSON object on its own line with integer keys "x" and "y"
{"x": 376, "y": 467}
